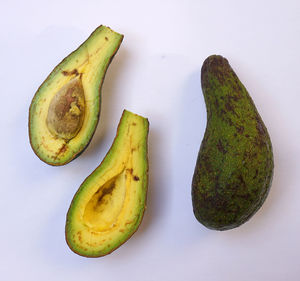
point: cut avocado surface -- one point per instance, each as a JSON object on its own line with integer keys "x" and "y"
{"x": 65, "y": 110}
{"x": 109, "y": 205}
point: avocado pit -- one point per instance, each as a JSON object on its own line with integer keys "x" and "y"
{"x": 66, "y": 111}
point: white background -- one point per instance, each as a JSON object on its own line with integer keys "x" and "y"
{"x": 156, "y": 73}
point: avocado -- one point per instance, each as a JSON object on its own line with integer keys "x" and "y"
{"x": 109, "y": 205}
{"x": 65, "y": 110}
{"x": 234, "y": 167}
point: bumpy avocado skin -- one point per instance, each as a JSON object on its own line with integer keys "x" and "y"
{"x": 234, "y": 169}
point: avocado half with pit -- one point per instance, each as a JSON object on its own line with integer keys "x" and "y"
{"x": 65, "y": 110}
{"x": 109, "y": 205}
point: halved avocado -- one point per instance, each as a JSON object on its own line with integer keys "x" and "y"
{"x": 109, "y": 205}
{"x": 65, "y": 110}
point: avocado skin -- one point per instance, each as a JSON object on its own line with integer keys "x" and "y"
{"x": 234, "y": 169}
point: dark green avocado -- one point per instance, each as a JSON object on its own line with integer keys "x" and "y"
{"x": 234, "y": 169}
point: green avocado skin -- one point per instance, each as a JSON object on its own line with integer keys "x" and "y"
{"x": 234, "y": 169}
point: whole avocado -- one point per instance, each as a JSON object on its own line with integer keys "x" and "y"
{"x": 234, "y": 169}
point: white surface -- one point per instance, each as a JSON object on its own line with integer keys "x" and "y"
{"x": 156, "y": 73}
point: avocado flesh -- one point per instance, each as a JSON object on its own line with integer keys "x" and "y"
{"x": 234, "y": 168}
{"x": 74, "y": 89}
{"x": 109, "y": 205}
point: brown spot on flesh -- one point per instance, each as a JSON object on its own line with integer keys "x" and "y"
{"x": 61, "y": 151}
{"x": 79, "y": 236}
{"x": 134, "y": 124}
{"x": 128, "y": 222}
{"x": 130, "y": 171}
{"x": 106, "y": 38}
{"x": 136, "y": 178}
{"x": 69, "y": 73}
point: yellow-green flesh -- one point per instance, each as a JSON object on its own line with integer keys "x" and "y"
{"x": 109, "y": 205}
{"x": 89, "y": 62}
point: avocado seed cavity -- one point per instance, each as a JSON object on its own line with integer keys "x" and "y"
{"x": 66, "y": 110}
{"x": 102, "y": 211}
